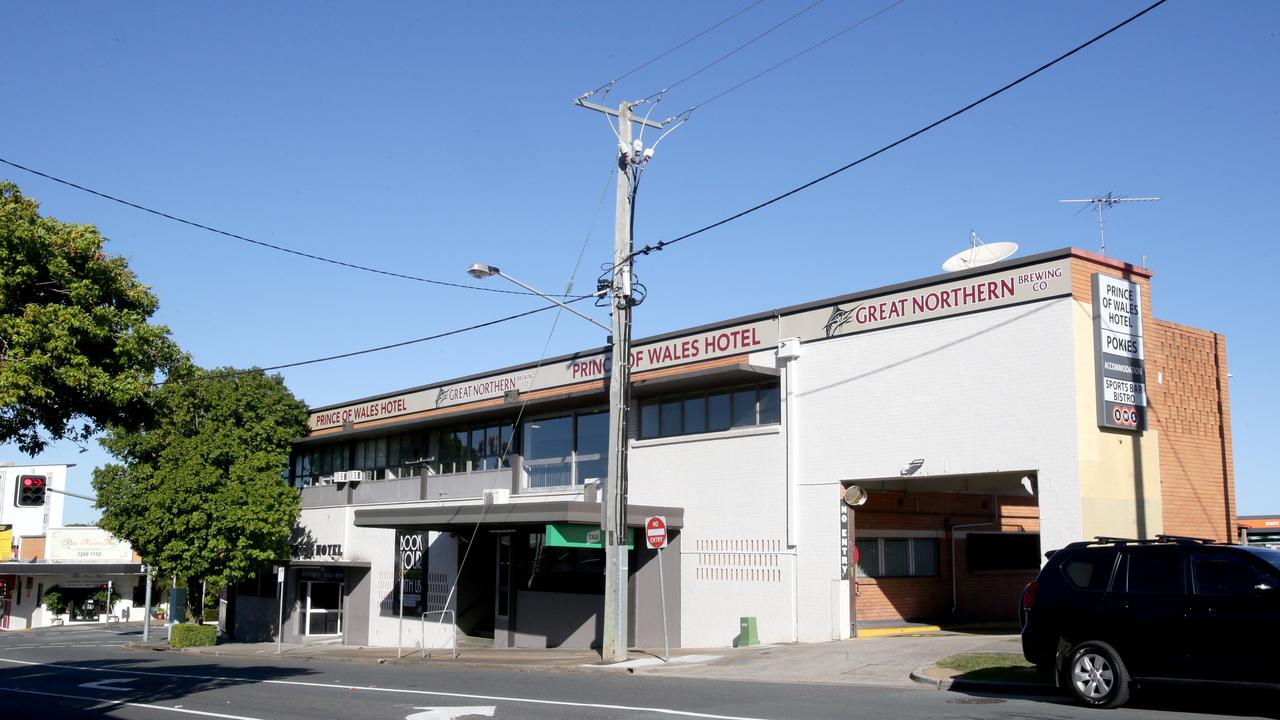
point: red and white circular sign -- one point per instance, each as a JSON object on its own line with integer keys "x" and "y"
{"x": 655, "y": 532}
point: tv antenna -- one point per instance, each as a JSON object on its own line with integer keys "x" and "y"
{"x": 1104, "y": 202}
{"x": 979, "y": 253}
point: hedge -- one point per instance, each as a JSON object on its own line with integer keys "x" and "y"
{"x": 191, "y": 635}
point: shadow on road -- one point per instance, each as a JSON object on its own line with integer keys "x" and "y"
{"x": 1168, "y": 700}
{"x": 149, "y": 681}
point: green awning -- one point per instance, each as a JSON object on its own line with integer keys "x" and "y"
{"x": 581, "y": 536}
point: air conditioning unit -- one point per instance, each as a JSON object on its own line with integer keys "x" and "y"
{"x": 340, "y": 476}
{"x": 498, "y": 496}
{"x": 355, "y": 476}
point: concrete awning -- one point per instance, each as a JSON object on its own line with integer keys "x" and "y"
{"x": 460, "y": 517}
{"x": 996, "y": 483}
{"x": 70, "y": 568}
{"x": 331, "y": 563}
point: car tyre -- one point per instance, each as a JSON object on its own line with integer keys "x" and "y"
{"x": 1096, "y": 676}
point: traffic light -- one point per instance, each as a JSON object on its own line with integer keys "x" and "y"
{"x": 30, "y": 491}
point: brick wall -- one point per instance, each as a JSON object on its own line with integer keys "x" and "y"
{"x": 982, "y": 595}
{"x": 1189, "y": 406}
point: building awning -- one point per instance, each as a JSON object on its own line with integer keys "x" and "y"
{"x": 70, "y": 568}
{"x": 464, "y": 517}
{"x": 331, "y": 563}
{"x": 708, "y": 378}
{"x": 1023, "y": 483}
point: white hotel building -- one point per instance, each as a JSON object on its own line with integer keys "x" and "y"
{"x": 977, "y": 409}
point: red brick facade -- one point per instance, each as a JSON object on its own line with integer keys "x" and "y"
{"x": 1188, "y": 405}
{"x": 980, "y": 595}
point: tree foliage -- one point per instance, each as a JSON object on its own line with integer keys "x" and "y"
{"x": 200, "y": 493}
{"x": 76, "y": 349}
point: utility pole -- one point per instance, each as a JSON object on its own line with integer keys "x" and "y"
{"x": 613, "y": 508}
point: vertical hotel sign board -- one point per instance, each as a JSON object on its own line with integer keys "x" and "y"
{"x": 1119, "y": 355}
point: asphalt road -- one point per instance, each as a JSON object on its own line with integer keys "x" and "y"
{"x": 77, "y": 672}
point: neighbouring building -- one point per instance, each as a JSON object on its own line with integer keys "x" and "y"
{"x": 40, "y": 555}
{"x": 985, "y": 416}
{"x": 1263, "y": 530}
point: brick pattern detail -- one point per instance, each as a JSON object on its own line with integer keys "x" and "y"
{"x": 1191, "y": 409}
{"x": 982, "y": 596}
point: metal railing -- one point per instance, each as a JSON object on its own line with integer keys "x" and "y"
{"x": 453, "y": 624}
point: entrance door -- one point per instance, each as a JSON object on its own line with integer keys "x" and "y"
{"x": 324, "y": 608}
{"x": 502, "y": 592}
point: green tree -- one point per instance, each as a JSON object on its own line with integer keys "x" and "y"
{"x": 201, "y": 493}
{"x": 76, "y": 349}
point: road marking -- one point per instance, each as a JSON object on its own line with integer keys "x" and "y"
{"x": 107, "y": 702}
{"x": 432, "y": 693}
{"x": 451, "y": 712}
{"x": 108, "y": 684}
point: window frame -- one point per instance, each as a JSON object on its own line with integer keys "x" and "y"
{"x": 651, "y": 411}
{"x": 911, "y": 556}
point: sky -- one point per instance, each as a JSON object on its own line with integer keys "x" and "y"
{"x": 422, "y": 137}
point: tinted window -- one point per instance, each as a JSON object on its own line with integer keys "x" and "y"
{"x": 744, "y": 408}
{"x": 1090, "y": 569}
{"x": 1156, "y": 570}
{"x": 718, "y": 412}
{"x": 770, "y": 411}
{"x": 1223, "y": 575}
{"x": 670, "y": 412}
{"x": 695, "y": 415}
{"x": 1004, "y": 551}
{"x": 649, "y": 420}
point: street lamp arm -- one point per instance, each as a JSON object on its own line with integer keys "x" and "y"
{"x": 68, "y": 492}
{"x": 547, "y": 297}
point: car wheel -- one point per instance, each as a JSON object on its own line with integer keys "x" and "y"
{"x": 1096, "y": 676}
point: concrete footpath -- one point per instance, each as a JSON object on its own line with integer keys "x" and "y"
{"x": 886, "y": 660}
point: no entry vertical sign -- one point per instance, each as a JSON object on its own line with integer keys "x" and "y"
{"x": 655, "y": 532}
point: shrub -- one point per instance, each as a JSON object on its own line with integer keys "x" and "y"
{"x": 54, "y": 601}
{"x": 191, "y": 635}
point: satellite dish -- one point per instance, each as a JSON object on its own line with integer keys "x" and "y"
{"x": 855, "y": 496}
{"x": 978, "y": 254}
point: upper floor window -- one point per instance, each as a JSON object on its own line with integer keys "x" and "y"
{"x": 710, "y": 412}
{"x": 565, "y": 450}
{"x": 383, "y": 458}
{"x": 472, "y": 449}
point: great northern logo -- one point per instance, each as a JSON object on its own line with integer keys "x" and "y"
{"x": 839, "y": 318}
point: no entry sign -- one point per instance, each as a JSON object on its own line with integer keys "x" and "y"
{"x": 655, "y": 532}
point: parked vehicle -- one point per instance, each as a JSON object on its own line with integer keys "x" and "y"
{"x": 1105, "y": 613}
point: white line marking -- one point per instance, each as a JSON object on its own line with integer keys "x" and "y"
{"x": 433, "y": 693}
{"x": 108, "y": 702}
{"x": 451, "y": 712}
{"x": 108, "y": 684}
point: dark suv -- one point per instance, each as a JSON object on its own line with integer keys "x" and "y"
{"x": 1104, "y": 612}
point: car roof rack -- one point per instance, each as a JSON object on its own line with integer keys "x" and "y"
{"x": 1184, "y": 540}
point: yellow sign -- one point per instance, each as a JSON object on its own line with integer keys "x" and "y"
{"x": 6, "y": 542}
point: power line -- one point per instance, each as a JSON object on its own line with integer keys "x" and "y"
{"x": 734, "y": 51}
{"x": 380, "y": 348}
{"x": 656, "y": 58}
{"x": 665, "y": 243}
{"x": 261, "y": 243}
{"x": 807, "y": 50}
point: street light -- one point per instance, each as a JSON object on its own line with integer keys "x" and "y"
{"x": 481, "y": 271}
{"x": 613, "y": 507}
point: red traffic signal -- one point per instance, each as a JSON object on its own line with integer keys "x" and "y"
{"x": 30, "y": 491}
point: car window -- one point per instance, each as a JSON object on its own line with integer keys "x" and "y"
{"x": 1155, "y": 569}
{"x": 1223, "y": 575}
{"x": 1090, "y": 569}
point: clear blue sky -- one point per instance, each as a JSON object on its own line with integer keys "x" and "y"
{"x": 422, "y": 137}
